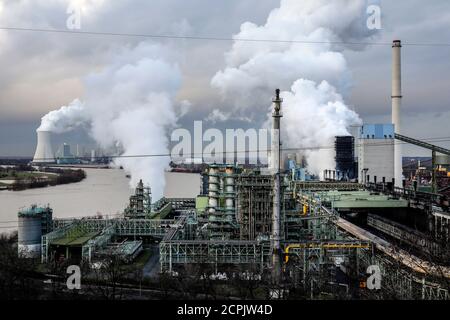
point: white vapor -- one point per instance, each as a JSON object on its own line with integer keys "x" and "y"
{"x": 129, "y": 103}
{"x": 217, "y": 116}
{"x": 65, "y": 118}
{"x": 316, "y": 73}
{"x": 312, "y": 117}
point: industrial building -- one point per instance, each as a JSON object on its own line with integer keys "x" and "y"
{"x": 320, "y": 236}
{"x": 376, "y": 153}
{"x": 345, "y": 158}
{"x": 330, "y": 232}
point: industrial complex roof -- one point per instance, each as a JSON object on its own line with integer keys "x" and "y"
{"x": 79, "y": 240}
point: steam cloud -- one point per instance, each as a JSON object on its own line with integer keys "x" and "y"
{"x": 317, "y": 72}
{"x": 129, "y": 103}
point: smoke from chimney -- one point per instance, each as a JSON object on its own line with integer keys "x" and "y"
{"x": 314, "y": 75}
{"x": 130, "y": 103}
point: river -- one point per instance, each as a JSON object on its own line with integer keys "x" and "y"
{"x": 104, "y": 191}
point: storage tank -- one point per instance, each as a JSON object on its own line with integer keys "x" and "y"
{"x": 33, "y": 223}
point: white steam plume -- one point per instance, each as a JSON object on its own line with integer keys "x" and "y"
{"x": 317, "y": 72}
{"x": 313, "y": 116}
{"x": 129, "y": 103}
{"x": 65, "y": 118}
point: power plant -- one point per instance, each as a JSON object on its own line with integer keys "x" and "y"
{"x": 304, "y": 235}
{"x": 44, "y": 152}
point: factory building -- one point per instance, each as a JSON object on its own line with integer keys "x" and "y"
{"x": 345, "y": 157}
{"x": 273, "y": 224}
{"x": 376, "y": 153}
{"x": 66, "y": 151}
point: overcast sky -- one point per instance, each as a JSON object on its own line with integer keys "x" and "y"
{"x": 42, "y": 71}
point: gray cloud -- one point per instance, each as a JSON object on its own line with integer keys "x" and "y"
{"x": 42, "y": 71}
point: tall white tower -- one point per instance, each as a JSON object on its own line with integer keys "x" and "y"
{"x": 44, "y": 152}
{"x": 276, "y": 153}
{"x": 396, "y": 106}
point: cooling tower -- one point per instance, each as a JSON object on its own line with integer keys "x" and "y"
{"x": 44, "y": 152}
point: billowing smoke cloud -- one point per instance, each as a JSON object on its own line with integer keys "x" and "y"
{"x": 316, "y": 72}
{"x": 130, "y": 103}
{"x": 65, "y": 118}
{"x": 217, "y": 116}
{"x": 313, "y": 116}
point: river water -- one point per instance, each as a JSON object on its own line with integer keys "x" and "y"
{"x": 104, "y": 191}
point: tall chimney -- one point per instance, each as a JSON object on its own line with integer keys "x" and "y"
{"x": 44, "y": 152}
{"x": 396, "y": 105}
{"x": 276, "y": 145}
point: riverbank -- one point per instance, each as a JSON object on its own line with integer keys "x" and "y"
{"x": 18, "y": 178}
{"x": 104, "y": 191}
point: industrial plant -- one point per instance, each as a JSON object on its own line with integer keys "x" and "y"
{"x": 282, "y": 223}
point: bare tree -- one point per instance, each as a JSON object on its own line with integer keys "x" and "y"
{"x": 107, "y": 277}
{"x": 17, "y": 274}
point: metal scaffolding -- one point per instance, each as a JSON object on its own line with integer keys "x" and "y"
{"x": 402, "y": 282}
{"x": 108, "y": 228}
{"x": 97, "y": 243}
{"x": 211, "y": 252}
{"x": 254, "y": 205}
{"x": 143, "y": 227}
{"x": 323, "y": 186}
{"x": 49, "y": 237}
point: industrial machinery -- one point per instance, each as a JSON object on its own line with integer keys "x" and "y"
{"x": 314, "y": 236}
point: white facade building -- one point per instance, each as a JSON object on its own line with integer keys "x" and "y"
{"x": 376, "y": 153}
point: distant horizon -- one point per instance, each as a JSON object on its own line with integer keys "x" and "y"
{"x": 52, "y": 71}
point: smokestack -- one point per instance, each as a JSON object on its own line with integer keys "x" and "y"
{"x": 396, "y": 105}
{"x": 44, "y": 152}
{"x": 276, "y": 145}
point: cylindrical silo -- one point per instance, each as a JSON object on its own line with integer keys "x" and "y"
{"x": 29, "y": 233}
{"x": 33, "y": 223}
